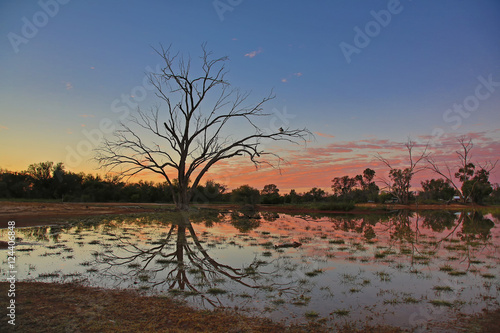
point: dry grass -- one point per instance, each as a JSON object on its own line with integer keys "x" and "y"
{"x": 47, "y": 307}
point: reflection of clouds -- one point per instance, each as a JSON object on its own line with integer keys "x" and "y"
{"x": 173, "y": 256}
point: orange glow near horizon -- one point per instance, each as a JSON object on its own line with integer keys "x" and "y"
{"x": 317, "y": 166}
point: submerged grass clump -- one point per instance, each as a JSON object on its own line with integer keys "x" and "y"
{"x": 383, "y": 276}
{"x": 446, "y": 268}
{"x": 216, "y": 291}
{"x": 311, "y": 314}
{"x": 341, "y": 312}
{"x": 439, "y": 302}
{"x": 488, "y": 276}
{"x": 314, "y": 273}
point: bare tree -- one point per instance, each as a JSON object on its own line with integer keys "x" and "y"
{"x": 191, "y": 131}
{"x": 400, "y": 179}
{"x": 465, "y": 169}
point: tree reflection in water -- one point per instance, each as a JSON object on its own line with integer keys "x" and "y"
{"x": 391, "y": 262}
{"x": 188, "y": 268}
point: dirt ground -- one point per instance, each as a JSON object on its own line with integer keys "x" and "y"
{"x": 48, "y": 307}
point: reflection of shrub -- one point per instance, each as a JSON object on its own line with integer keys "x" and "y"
{"x": 245, "y": 224}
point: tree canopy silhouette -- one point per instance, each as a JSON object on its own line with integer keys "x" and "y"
{"x": 191, "y": 130}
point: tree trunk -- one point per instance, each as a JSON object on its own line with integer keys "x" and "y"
{"x": 183, "y": 198}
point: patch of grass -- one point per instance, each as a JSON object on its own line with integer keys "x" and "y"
{"x": 393, "y": 301}
{"x": 488, "y": 276}
{"x": 442, "y": 288}
{"x": 48, "y": 275}
{"x": 457, "y": 273}
{"x": 314, "y": 273}
{"x": 410, "y": 300}
{"x": 216, "y": 291}
{"x": 278, "y": 301}
{"x": 336, "y": 241}
{"x": 383, "y": 276}
{"x": 311, "y": 314}
{"x": 341, "y": 312}
{"x": 25, "y": 250}
{"x": 165, "y": 261}
{"x": 301, "y": 300}
{"x": 133, "y": 265}
{"x": 143, "y": 278}
{"x": 439, "y": 302}
{"x": 446, "y": 268}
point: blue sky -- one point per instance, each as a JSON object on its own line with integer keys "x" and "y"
{"x": 422, "y": 59}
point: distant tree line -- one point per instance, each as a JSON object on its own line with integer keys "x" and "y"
{"x": 48, "y": 180}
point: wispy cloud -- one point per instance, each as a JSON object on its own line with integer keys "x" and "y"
{"x": 68, "y": 85}
{"x": 291, "y": 76}
{"x": 3, "y": 127}
{"x": 324, "y": 135}
{"x": 86, "y": 115}
{"x": 253, "y": 53}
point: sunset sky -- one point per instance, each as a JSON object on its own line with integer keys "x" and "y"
{"x": 363, "y": 76}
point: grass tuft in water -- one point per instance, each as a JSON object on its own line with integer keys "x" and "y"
{"x": 442, "y": 288}
{"x": 439, "y": 302}
{"x": 341, "y": 312}
{"x": 311, "y": 314}
{"x": 314, "y": 273}
{"x": 216, "y": 291}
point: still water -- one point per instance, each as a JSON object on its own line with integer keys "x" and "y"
{"x": 405, "y": 269}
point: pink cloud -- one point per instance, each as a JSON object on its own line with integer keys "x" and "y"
{"x": 324, "y": 135}
{"x": 253, "y": 53}
{"x": 317, "y": 166}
